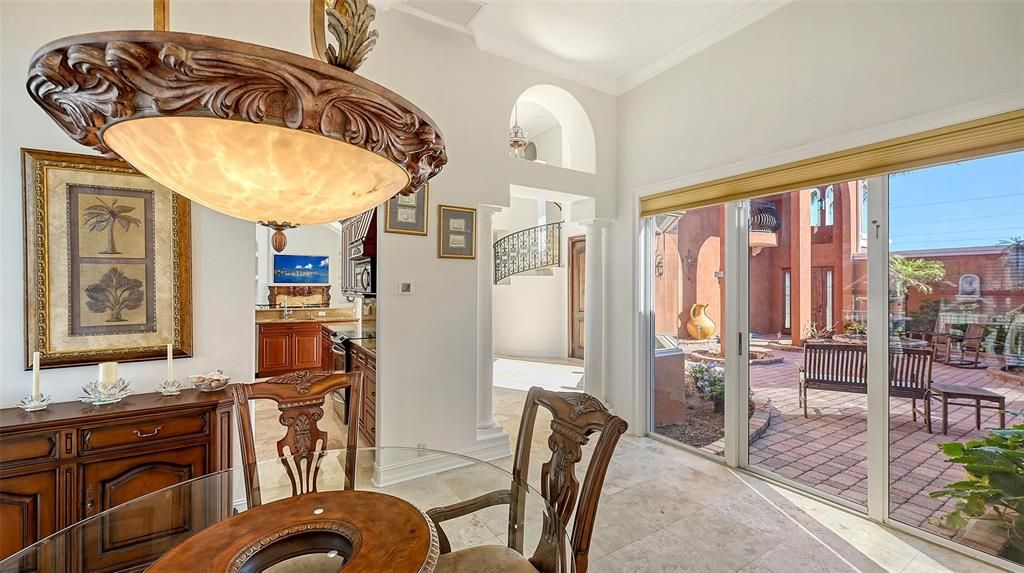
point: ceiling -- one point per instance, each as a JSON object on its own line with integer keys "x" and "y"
{"x": 610, "y": 46}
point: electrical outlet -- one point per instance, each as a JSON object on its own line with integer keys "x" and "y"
{"x": 405, "y": 287}
{"x": 421, "y": 446}
{"x": 322, "y": 313}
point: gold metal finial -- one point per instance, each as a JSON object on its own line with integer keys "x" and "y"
{"x": 349, "y": 22}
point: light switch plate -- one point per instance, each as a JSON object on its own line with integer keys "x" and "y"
{"x": 405, "y": 287}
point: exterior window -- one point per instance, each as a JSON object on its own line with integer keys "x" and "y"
{"x": 786, "y": 298}
{"x": 830, "y": 200}
{"x": 828, "y": 299}
{"x": 815, "y": 208}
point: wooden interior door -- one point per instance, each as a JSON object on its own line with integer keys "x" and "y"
{"x": 819, "y": 298}
{"x": 577, "y": 272}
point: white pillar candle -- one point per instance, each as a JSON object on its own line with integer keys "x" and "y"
{"x": 170, "y": 362}
{"x": 37, "y": 392}
{"x": 108, "y": 374}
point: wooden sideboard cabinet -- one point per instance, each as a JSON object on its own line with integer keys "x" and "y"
{"x": 366, "y": 362}
{"x": 287, "y": 347}
{"x": 72, "y": 461}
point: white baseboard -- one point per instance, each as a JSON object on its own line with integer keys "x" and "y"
{"x": 492, "y": 444}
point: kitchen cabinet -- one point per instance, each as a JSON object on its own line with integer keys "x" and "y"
{"x": 366, "y": 362}
{"x": 72, "y": 461}
{"x": 286, "y": 347}
{"x": 327, "y": 355}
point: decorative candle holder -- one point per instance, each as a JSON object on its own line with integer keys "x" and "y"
{"x": 98, "y": 395}
{"x": 170, "y": 388}
{"x": 32, "y": 404}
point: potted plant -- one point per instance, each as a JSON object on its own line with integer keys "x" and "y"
{"x": 710, "y": 382}
{"x": 994, "y": 488}
{"x": 815, "y": 333}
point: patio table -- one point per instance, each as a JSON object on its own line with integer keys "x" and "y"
{"x": 947, "y": 392}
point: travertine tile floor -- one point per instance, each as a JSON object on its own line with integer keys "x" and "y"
{"x": 665, "y": 510}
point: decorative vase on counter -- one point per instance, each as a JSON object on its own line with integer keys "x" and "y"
{"x": 700, "y": 326}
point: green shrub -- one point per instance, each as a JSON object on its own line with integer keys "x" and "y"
{"x": 995, "y": 480}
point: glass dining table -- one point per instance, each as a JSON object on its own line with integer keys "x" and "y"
{"x": 401, "y": 509}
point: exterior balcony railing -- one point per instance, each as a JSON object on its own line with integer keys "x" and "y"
{"x": 527, "y": 250}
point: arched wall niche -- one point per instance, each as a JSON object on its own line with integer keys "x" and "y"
{"x": 578, "y": 146}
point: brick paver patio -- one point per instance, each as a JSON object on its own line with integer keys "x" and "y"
{"x": 828, "y": 450}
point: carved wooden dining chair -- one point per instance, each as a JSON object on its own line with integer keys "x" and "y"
{"x": 575, "y": 417}
{"x": 300, "y": 397}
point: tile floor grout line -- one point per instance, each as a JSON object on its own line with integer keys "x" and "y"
{"x": 797, "y": 523}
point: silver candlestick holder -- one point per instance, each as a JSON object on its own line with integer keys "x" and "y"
{"x": 97, "y": 394}
{"x": 170, "y": 388}
{"x": 33, "y": 404}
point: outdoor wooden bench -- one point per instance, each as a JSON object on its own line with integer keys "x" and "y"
{"x": 844, "y": 368}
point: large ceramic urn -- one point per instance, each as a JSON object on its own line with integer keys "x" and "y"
{"x": 700, "y": 326}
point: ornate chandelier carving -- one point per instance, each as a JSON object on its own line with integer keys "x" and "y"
{"x": 254, "y": 132}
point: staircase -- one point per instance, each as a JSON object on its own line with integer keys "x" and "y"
{"x": 527, "y": 250}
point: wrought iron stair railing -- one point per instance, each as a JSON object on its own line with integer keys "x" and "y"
{"x": 527, "y": 250}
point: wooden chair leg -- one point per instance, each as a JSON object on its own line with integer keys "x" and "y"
{"x": 1002, "y": 412}
{"x": 913, "y": 409}
{"x": 803, "y": 389}
{"x": 928, "y": 413}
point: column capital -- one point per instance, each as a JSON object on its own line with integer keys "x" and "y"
{"x": 489, "y": 210}
{"x": 595, "y": 223}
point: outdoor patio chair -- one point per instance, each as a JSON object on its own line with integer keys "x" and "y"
{"x": 938, "y": 337}
{"x": 968, "y": 343}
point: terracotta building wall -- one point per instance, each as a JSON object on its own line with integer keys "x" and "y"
{"x": 700, "y": 237}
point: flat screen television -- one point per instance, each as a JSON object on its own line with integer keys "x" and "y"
{"x": 302, "y": 269}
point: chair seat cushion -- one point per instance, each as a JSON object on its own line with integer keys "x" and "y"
{"x": 484, "y": 559}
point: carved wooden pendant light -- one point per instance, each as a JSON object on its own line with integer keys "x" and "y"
{"x": 250, "y": 131}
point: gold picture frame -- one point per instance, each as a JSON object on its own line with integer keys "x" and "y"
{"x": 456, "y": 236}
{"x": 108, "y": 262}
{"x": 408, "y": 214}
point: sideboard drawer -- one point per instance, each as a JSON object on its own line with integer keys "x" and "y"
{"x": 28, "y": 448}
{"x": 144, "y": 431}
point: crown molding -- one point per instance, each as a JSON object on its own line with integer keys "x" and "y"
{"x": 540, "y": 60}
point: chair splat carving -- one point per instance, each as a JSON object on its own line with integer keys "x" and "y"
{"x": 300, "y": 397}
{"x": 575, "y": 418}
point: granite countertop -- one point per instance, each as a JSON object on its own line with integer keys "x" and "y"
{"x": 354, "y": 329}
{"x": 367, "y": 344}
{"x": 298, "y": 319}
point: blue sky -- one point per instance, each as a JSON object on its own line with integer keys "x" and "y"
{"x": 966, "y": 204}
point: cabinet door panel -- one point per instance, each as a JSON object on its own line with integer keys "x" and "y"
{"x": 28, "y": 510}
{"x": 306, "y": 353}
{"x": 274, "y": 351}
{"x": 168, "y": 517}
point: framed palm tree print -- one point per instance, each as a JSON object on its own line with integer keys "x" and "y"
{"x": 107, "y": 262}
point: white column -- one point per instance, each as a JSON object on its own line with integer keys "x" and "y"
{"x": 485, "y": 319}
{"x": 593, "y": 310}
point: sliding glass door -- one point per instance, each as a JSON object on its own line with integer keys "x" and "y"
{"x": 688, "y": 391}
{"x": 807, "y": 305}
{"x": 956, "y": 319}
{"x": 877, "y": 327}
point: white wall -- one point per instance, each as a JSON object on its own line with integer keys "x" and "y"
{"x": 549, "y": 145}
{"x": 427, "y": 365}
{"x": 223, "y": 248}
{"x": 315, "y": 240}
{"x": 810, "y": 78}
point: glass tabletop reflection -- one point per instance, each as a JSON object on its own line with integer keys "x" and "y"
{"x": 134, "y": 535}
